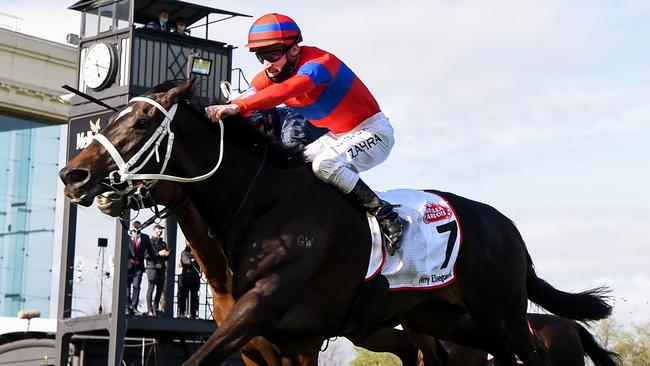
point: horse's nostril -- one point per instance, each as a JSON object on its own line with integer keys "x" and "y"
{"x": 77, "y": 175}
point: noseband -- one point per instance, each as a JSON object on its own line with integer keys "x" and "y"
{"x": 125, "y": 172}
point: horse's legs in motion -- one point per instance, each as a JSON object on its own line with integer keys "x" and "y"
{"x": 251, "y": 315}
{"x": 390, "y": 340}
{"x": 509, "y": 335}
{"x": 498, "y": 311}
{"x": 308, "y": 352}
{"x": 512, "y": 331}
{"x": 452, "y": 323}
{"x": 490, "y": 338}
{"x": 527, "y": 346}
{"x": 431, "y": 352}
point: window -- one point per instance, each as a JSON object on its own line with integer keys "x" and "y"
{"x": 122, "y": 14}
{"x": 106, "y": 18}
{"x": 91, "y": 20}
{"x": 29, "y": 151}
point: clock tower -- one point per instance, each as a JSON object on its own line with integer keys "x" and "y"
{"x": 121, "y": 57}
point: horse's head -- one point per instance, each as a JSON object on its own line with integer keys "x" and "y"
{"x": 127, "y": 145}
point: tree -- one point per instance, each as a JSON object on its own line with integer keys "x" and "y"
{"x": 367, "y": 358}
{"x": 607, "y": 332}
{"x": 633, "y": 346}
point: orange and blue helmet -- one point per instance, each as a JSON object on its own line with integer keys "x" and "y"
{"x": 273, "y": 29}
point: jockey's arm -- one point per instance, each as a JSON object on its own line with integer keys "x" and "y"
{"x": 275, "y": 94}
{"x": 269, "y": 97}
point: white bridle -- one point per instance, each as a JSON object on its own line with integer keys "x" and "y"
{"x": 126, "y": 172}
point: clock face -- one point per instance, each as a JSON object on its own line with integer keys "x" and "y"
{"x": 98, "y": 65}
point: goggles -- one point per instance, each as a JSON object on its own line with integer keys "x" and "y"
{"x": 270, "y": 56}
{"x": 273, "y": 55}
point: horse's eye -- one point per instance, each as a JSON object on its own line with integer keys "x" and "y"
{"x": 141, "y": 124}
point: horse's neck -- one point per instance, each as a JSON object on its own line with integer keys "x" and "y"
{"x": 236, "y": 183}
{"x": 208, "y": 250}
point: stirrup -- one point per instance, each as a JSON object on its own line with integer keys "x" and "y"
{"x": 390, "y": 244}
{"x": 393, "y": 242}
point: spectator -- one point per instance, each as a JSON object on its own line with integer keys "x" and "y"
{"x": 138, "y": 244}
{"x": 161, "y": 23}
{"x": 156, "y": 270}
{"x": 181, "y": 27}
{"x": 188, "y": 284}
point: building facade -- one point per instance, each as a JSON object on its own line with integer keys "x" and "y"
{"x": 32, "y": 142}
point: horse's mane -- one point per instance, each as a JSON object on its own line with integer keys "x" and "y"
{"x": 239, "y": 131}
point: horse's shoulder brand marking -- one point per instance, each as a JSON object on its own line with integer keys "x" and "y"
{"x": 435, "y": 212}
{"x": 305, "y": 241}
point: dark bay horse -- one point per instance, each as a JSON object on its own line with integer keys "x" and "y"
{"x": 214, "y": 265}
{"x": 566, "y": 341}
{"x": 299, "y": 249}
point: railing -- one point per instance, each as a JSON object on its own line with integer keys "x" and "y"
{"x": 240, "y": 75}
{"x": 205, "y": 308}
{"x": 8, "y": 21}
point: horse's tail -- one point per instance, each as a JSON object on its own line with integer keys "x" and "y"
{"x": 588, "y": 305}
{"x": 599, "y": 355}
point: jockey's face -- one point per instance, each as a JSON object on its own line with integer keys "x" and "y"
{"x": 274, "y": 68}
{"x": 274, "y": 65}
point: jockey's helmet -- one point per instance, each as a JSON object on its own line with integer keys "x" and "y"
{"x": 273, "y": 29}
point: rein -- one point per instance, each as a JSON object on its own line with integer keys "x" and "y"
{"x": 139, "y": 196}
{"x": 127, "y": 173}
{"x": 142, "y": 194}
{"x": 248, "y": 191}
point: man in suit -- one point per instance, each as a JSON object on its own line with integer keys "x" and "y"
{"x": 138, "y": 245}
{"x": 161, "y": 23}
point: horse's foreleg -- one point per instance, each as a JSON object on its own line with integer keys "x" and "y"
{"x": 241, "y": 325}
{"x": 253, "y": 353}
{"x": 432, "y": 353}
{"x": 251, "y": 315}
{"x": 308, "y": 352}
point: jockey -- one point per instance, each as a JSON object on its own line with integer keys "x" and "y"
{"x": 317, "y": 85}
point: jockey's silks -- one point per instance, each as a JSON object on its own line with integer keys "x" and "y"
{"x": 323, "y": 90}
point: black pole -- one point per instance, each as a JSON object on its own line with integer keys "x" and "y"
{"x": 117, "y": 330}
{"x": 171, "y": 232}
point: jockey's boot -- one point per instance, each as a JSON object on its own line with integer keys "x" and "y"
{"x": 391, "y": 224}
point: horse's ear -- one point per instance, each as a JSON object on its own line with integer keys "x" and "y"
{"x": 181, "y": 91}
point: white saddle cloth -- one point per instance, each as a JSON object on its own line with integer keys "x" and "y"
{"x": 430, "y": 244}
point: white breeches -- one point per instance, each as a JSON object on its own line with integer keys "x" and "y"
{"x": 338, "y": 159}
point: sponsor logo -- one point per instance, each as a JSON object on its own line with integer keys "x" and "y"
{"x": 436, "y": 212}
{"x": 85, "y": 138}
